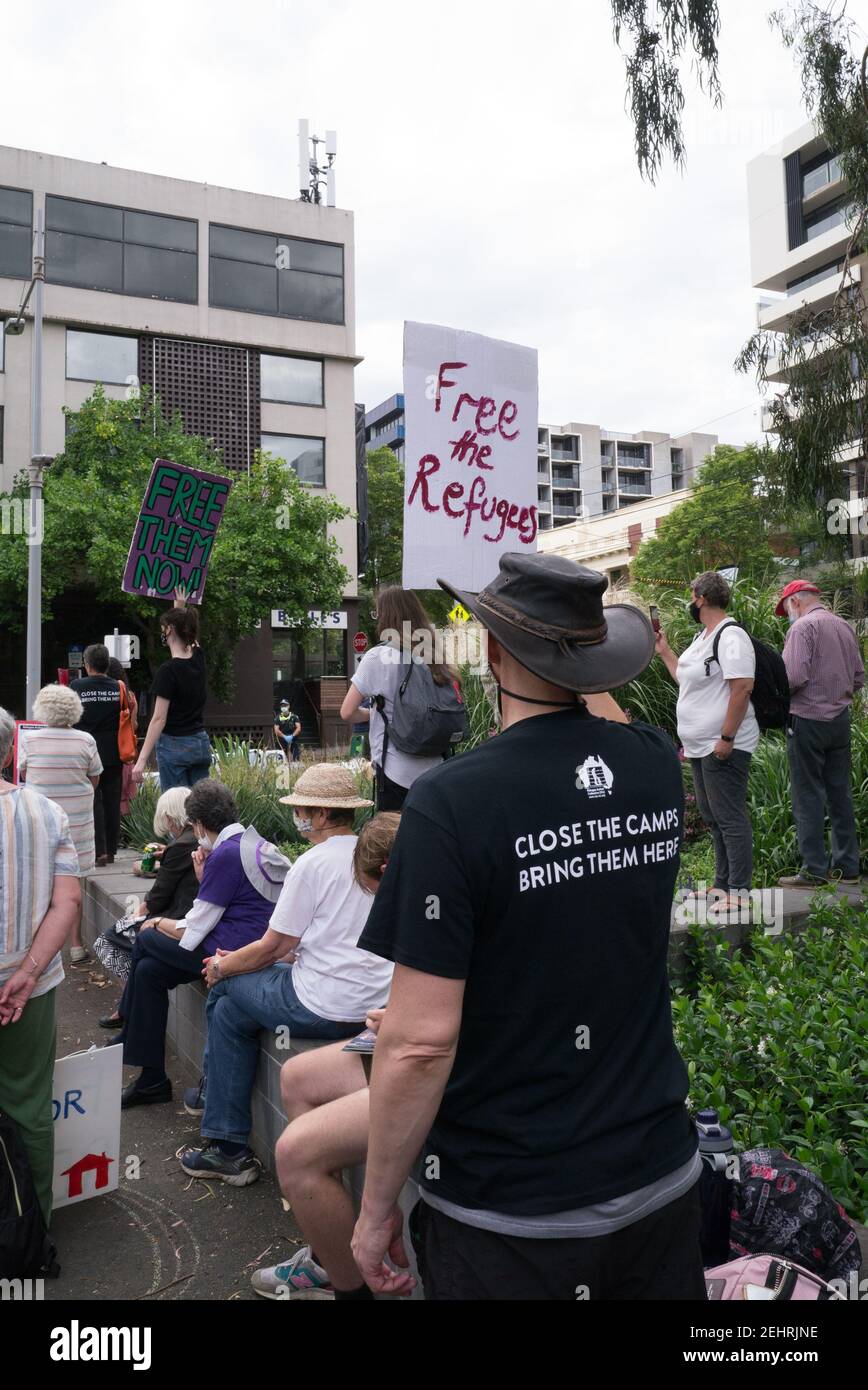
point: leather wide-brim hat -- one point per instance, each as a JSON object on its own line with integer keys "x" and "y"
{"x": 326, "y": 785}
{"x": 548, "y": 613}
{"x": 265, "y": 866}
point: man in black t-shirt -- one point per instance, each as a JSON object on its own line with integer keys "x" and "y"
{"x": 101, "y": 700}
{"x": 287, "y": 728}
{"x": 526, "y": 1055}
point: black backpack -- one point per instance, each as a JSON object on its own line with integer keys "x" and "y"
{"x": 770, "y": 696}
{"x": 780, "y": 1207}
{"x": 26, "y": 1249}
{"x": 428, "y": 720}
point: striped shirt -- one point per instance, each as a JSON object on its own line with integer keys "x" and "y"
{"x": 35, "y": 845}
{"x": 823, "y": 664}
{"x": 59, "y": 763}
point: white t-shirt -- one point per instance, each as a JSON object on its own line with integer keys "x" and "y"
{"x": 703, "y": 700}
{"x": 321, "y": 903}
{"x": 380, "y": 672}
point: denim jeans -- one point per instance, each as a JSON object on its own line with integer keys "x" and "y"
{"x": 721, "y": 799}
{"x": 238, "y": 1009}
{"x": 821, "y": 781}
{"x": 183, "y": 760}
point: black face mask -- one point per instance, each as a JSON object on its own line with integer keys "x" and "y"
{"x": 164, "y": 640}
{"x": 695, "y": 613}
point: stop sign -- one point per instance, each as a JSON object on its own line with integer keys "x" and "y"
{"x": 360, "y": 643}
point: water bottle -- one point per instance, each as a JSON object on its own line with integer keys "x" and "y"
{"x": 715, "y": 1186}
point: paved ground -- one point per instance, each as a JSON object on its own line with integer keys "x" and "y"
{"x": 163, "y": 1236}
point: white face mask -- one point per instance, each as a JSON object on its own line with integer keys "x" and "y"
{"x": 303, "y": 824}
{"x": 205, "y": 843}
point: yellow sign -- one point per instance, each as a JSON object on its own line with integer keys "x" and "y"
{"x": 459, "y": 614}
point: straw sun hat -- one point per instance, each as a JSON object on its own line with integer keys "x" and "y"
{"x": 326, "y": 785}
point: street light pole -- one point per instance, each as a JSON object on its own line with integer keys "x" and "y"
{"x": 38, "y": 462}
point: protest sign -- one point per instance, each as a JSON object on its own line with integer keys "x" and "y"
{"x": 470, "y": 490}
{"x": 175, "y": 531}
{"x": 86, "y": 1108}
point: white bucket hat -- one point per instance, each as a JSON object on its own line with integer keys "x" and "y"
{"x": 263, "y": 863}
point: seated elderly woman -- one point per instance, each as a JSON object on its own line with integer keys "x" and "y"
{"x": 40, "y": 901}
{"x": 63, "y": 763}
{"x": 172, "y": 893}
{"x": 240, "y": 877}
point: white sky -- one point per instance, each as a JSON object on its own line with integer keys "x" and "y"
{"x": 486, "y": 152}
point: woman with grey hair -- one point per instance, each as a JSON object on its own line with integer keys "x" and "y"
{"x": 41, "y": 900}
{"x": 718, "y": 729}
{"x": 63, "y": 763}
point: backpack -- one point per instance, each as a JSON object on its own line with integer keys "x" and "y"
{"x": 781, "y": 1208}
{"x": 769, "y": 1278}
{"x": 26, "y": 1249}
{"x": 770, "y": 696}
{"x": 428, "y": 720}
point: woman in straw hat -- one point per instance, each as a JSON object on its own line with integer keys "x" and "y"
{"x": 307, "y": 972}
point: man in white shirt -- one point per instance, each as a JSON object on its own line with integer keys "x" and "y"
{"x": 306, "y": 973}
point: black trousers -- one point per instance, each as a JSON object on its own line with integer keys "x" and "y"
{"x": 159, "y": 964}
{"x": 387, "y": 794}
{"x": 655, "y": 1258}
{"x": 107, "y": 810}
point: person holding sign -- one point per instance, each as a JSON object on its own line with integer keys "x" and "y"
{"x": 402, "y": 627}
{"x": 39, "y": 905}
{"x": 176, "y": 730}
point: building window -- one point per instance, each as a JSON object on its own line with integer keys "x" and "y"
{"x": 101, "y": 357}
{"x": 813, "y": 277}
{"x": 293, "y": 380}
{"x": 826, "y": 218}
{"x": 95, "y": 246}
{"x": 16, "y": 233}
{"x": 265, "y": 273}
{"x": 819, "y": 173}
{"x": 306, "y": 456}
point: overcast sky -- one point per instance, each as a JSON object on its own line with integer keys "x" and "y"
{"x": 486, "y": 153}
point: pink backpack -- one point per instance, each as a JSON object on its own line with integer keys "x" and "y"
{"x": 766, "y": 1278}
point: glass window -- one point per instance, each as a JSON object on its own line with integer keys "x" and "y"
{"x": 149, "y": 229}
{"x": 315, "y": 255}
{"x": 157, "y": 274}
{"x": 16, "y": 244}
{"x": 90, "y": 219}
{"x": 813, "y": 277}
{"x": 296, "y": 380}
{"x": 826, "y": 218}
{"x": 334, "y": 654}
{"x": 241, "y": 285}
{"x": 302, "y": 295}
{"x": 259, "y": 247}
{"x": 16, "y": 205}
{"x": 84, "y": 261}
{"x": 101, "y": 357}
{"x": 306, "y": 456}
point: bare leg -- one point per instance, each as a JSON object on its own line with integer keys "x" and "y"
{"x": 310, "y": 1154}
{"x": 75, "y": 938}
{"x": 317, "y": 1077}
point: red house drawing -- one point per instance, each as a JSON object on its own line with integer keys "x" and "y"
{"x": 91, "y": 1163}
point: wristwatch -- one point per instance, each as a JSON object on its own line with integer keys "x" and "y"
{"x": 728, "y": 738}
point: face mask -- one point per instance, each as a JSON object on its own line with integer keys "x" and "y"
{"x": 205, "y": 843}
{"x": 164, "y": 641}
{"x": 695, "y": 613}
{"x": 303, "y": 824}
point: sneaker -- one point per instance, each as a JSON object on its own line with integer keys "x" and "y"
{"x": 211, "y": 1162}
{"x": 801, "y": 880}
{"x": 194, "y": 1098}
{"x": 845, "y": 880}
{"x": 78, "y": 954}
{"x": 300, "y": 1277}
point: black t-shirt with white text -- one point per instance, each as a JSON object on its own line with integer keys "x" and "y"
{"x": 101, "y": 700}
{"x": 540, "y": 868}
{"x": 181, "y": 681}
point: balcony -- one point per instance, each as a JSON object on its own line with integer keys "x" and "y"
{"x": 564, "y": 456}
{"x": 566, "y": 477}
{"x": 634, "y": 490}
{"x": 559, "y": 509}
{"x": 543, "y": 479}
{"x": 634, "y": 461}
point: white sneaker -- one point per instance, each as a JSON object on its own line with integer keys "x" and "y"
{"x": 299, "y": 1278}
{"x": 77, "y": 954}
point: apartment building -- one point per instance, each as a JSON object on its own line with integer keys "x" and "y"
{"x": 610, "y": 542}
{"x": 384, "y": 426}
{"x": 238, "y": 310}
{"x": 798, "y": 206}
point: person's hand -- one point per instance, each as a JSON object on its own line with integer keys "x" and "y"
{"x": 373, "y": 1019}
{"x": 661, "y": 643}
{"x": 147, "y": 925}
{"x": 181, "y": 595}
{"x": 138, "y": 773}
{"x": 198, "y": 857}
{"x": 14, "y": 996}
{"x": 722, "y": 750}
{"x": 209, "y": 971}
{"x": 372, "y": 1242}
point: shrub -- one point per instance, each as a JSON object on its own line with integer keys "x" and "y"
{"x": 773, "y": 1038}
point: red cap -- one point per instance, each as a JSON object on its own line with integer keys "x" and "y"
{"x": 798, "y": 586}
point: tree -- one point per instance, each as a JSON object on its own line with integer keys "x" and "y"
{"x": 724, "y": 523}
{"x": 272, "y": 549}
{"x": 386, "y": 541}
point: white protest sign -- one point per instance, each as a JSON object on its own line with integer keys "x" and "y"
{"x": 470, "y": 489}
{"x": 86, "y": 1107}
